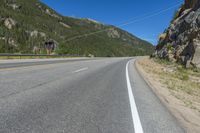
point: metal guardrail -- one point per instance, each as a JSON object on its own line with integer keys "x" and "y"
{"x": 32, "y": 56}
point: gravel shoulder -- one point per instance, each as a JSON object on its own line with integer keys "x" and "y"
{"x": 177, "y": 88}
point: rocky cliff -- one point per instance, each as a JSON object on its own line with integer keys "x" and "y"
{"x": 181, "y": 41}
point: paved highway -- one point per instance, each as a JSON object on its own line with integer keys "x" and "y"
{"x": 84, "y": 96}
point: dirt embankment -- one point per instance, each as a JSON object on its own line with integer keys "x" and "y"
{"x": 178, "y": 89}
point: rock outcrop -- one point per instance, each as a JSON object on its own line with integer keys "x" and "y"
{"x": 112, "y": 33}
{"x": 9, "y": 23}
{"x": 65, "y": 25}
{"x": 36, "y": 33}
{"x": 14, "y": 6}
{"x": 181, "y": 41}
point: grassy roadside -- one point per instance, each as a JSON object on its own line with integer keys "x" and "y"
{"x": 177, "y": 87}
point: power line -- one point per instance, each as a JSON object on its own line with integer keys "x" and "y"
{"x": 153, "y": 12}
{"x": 149, "y": 15}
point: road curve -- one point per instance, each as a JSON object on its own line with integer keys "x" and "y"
{"x": 88, "y": 96}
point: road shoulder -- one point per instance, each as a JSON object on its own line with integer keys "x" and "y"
{"x": 154, "y": 116}
{"x": 188, "y": 117}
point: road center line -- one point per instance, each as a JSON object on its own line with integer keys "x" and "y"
{"x": 82, "y": 69}
{"x": 135, "y": 116}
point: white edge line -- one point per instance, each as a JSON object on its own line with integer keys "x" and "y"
{"x": 135, "y": 116}
{"x": 82, "y": 69}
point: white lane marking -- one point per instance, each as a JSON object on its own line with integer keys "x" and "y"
{"x": 135, "y": 116}
{"x": 82, "y": 69}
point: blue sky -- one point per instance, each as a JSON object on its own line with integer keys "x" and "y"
{"x": 117, "y": 12}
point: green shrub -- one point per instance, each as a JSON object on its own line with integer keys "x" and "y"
{"x": 170, "y": 47}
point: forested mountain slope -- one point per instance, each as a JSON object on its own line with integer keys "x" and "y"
{"x": 25, "y": 25}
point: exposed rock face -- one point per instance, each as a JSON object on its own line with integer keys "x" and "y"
{"x": 14, "y": 6}
{"x": 9, "y": 23}
{"x": 196, "y": 57}
{"x": 12, "y": 42}
{"x": 47, "y": 11}
{"x": 36, "y": 33}
{"x": 65, "y": 25}
{"x": 92, "y": 20}
{"x": 112, "y": 33}
{"x": 181, "y": 41}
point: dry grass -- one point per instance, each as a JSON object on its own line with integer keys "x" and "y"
{"x": 177, "y": 87}
{"x": 183, "y": 84}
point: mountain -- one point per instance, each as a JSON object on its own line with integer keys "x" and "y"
{"x": 25, "y": 25}
{"x": 181, "y": 41}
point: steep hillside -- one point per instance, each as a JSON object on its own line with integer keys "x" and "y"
{"x": 181, "y": 41}
{"x": 25, "y": 25}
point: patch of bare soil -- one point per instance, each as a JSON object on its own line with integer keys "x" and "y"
{"x": 178, "y": 89}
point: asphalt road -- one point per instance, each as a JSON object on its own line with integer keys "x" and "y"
{"x": 91, "y": 96}
{"x": 34, "y": 62}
